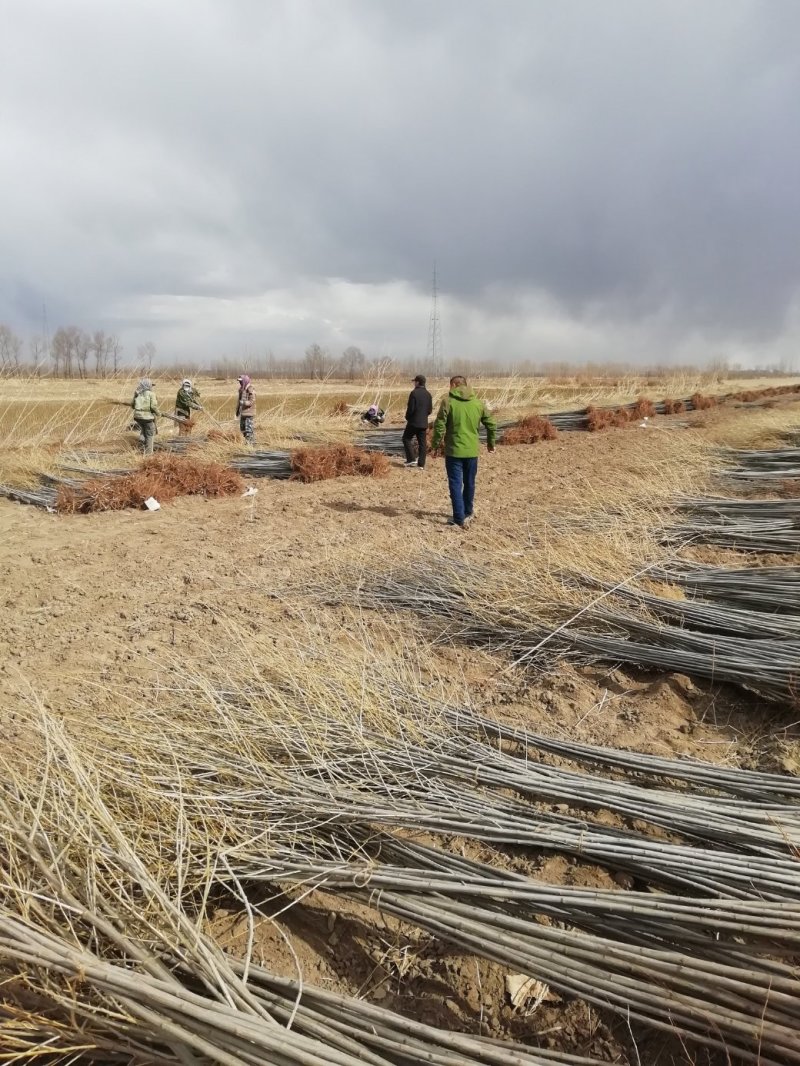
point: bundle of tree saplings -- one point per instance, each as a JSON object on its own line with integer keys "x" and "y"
{"x": 495, "y": 608}
{"x": 263, "y": 801}
{"x": 103, "y": 958}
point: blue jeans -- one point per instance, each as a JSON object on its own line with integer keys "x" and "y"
{"x": 461, "y": 474}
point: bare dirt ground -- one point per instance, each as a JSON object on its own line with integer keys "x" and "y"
{"x": 101, "y": 607}
{"x": 95, "y": 598}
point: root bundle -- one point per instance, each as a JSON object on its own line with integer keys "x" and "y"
{"x": 530, "y": 430}
{"x": 749, "y": 395}
{"x": 702, "y": 403}
{"x": 605, "y": 417}
{"x": 224, "y": 436}
{"x": 598, "y": 418}
{"x": 643, "y": 408}
{"x": 163, "y": 476}
{"x": 337, "y": 460}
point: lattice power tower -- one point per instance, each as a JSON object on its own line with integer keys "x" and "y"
{"x": 435, "y": 353}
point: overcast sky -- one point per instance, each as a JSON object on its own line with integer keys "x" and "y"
{"x": 595, "y": 180}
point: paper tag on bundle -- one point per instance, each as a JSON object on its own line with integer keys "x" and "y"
{"x": 527, "y": 992}
{"x": 152, "y": 504}
{"x": 251, "y": 491}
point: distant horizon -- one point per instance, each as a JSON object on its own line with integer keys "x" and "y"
{"x": 298, "y": 370}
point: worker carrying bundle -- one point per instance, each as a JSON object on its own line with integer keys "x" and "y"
{"x": 145, "y": 413}
{"x": 187, "y": 400}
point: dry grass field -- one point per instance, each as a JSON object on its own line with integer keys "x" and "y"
{"x": 43, "y": 420}
{"x": 190, "y": 695}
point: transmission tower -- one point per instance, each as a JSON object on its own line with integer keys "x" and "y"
{"x": 435, "y": 332}
{"x": 45, "y": 336}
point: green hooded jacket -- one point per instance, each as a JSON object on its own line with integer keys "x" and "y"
{"x": 460, "y": 414}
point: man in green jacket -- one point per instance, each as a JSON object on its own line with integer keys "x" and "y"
{"x": 460, "y": 414}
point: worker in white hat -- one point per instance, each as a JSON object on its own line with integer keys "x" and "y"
{"x": 187, "y": 400}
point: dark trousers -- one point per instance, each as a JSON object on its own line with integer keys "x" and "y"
{"x": 147, "y": 428}
{"x": 409, "y": 433}
{"x": 247, "y": 428}
{"x": 461, "y": 474}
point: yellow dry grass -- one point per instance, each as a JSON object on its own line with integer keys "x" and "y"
{"x": 754, "y": 428}
{"x": 37, "y": 410}
{"x": 44, "y": 423}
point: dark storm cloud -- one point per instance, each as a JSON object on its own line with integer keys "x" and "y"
{"x": 623, "y": 162}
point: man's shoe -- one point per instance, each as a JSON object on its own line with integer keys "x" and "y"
{"x": 468, "y": 519}
{"x": 452, "y": 522}
{"x": 409, "y": 465}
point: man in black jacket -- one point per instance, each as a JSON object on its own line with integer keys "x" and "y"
{"x": 418, "y": 411}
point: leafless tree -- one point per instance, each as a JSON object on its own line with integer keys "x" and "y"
{"x": 38, "y": 350}
{"x": 352, "y": 362}
{"x": 147, "y": 353}
{"x": 56, "y": 354}
{"x": 10, "y": 348}
{"x": 115, "y": 349}
{"x": 61, "y": 351}
{"x": 101, "y": 347}
{"x": 317, "y": 361}
{"x": 719, "y": 367}
{"x": 83, "y": 344}
{"x": 69, "y": 351}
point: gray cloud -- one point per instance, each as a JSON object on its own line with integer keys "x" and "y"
{"x": 586, "y": 175}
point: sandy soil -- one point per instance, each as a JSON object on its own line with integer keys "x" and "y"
{"x": 79, "y": 589}
{"x": 95, "y": 598}
{"x": 99, "y": 605}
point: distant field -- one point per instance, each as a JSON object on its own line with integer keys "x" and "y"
{"x": 45, "y": 421}
{"x": 39, "y": 412}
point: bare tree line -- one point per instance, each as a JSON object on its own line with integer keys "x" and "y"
{"x": 72, "y": 349}
{"x": 73, "y": 352}
{"x": 10, "y": 349}
{"x": 317, "y": 363}
{"x": 77, "y": 353}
